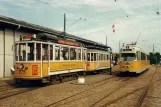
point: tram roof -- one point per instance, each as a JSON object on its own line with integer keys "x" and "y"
{"x": 15, "y": 23}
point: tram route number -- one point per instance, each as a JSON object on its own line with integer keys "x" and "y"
{"x": 21, "y": 72}
{"x": 34, "y": 69}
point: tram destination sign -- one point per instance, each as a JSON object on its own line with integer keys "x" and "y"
{"x": 68, "y": 42}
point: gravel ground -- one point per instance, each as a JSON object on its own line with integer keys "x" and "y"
{"x": 99, "y": 90}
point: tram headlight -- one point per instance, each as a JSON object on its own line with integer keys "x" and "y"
{"x": 21, "y": 66}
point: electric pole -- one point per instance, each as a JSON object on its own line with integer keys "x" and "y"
{"x": 153, "y": 48}
{"x": 106, "y": 40}
{"x": 119, "y": 46}
{"x": 64, "y": 24}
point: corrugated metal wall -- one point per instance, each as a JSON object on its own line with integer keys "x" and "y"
{"x": 1, "y": 52}
{"x": 8, "y": 51}
{"x": 6, "y": 43}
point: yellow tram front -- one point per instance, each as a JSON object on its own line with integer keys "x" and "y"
{"x": 29, "y": 61}
{"x": 133, "y": 59}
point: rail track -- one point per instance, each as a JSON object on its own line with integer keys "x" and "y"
{"x": 143, "y": 95}
{"x": 132, "y": 92}
{"x": 12, "y": 93}
{"x": 103, "y": 82}
{"x": 127, "y": 81}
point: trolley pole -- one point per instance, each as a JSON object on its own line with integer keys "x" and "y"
{"x": 64, "y": 24}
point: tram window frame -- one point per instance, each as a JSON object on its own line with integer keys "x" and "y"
{"x": 64, "y": 54}
{"x": 31, "y": 51}
{"x": 107, "y": 56}
{"x": 74, "y": 58}
{"x": 16, "y": 52}
{"x": 38, "y": 51}
{"x": 88, "y": 56}
{"x": 57, "y": 53}
{"x": 45, "y": 52}
{"x": 51, "y": 52}
{"x": 99, "y": 57}
{"x": 22, "y": 52}
{"x": 84, "y": 54}
{"x": 95, "y": 57}
{"x": 104, "y": 56}
{"x": 92, "y": 56}
{"x": 143, "y": 56}
{"x": 138, "y": 55}
{"x": 79, "y": 54}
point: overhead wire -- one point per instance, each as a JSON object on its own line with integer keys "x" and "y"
{"x": 80, "y": 18}
{"x": 147, "y": 6}
{"x": 73, "y": 23}
{"x": 121, "y": 9}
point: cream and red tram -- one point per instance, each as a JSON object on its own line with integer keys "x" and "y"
{"x": 47, "y": 60}
{"x": 133, "y": 59}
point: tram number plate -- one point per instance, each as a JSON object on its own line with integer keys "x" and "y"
{"x": 22, "y": 72}
{"x": 34, "y": 70}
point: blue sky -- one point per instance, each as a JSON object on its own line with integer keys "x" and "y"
{"x": 99, "y": 15}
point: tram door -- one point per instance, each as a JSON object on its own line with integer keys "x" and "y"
{"x": 45, "y": 59}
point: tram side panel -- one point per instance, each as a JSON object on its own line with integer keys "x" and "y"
{"x": 66, "y": 67}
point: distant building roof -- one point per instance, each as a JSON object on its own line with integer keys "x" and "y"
{"x": 24, "y": 24}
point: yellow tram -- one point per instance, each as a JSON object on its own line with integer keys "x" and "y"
{"x": 49, "y": 60}
{"x": 133, "y": 59}
{"x": 97, "y": 60}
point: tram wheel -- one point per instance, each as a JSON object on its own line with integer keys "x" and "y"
{"x": 53, "y": 80}
{"x": 18, "y": 81}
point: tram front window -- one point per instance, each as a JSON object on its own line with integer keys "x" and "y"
{"x": 22, "y": 52}
{"x": 128, "y": 56}
{"x": 30, "y": 51}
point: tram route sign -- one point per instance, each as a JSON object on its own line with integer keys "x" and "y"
{"x": 34, "y": 69}
{"x": 68, "y": 42}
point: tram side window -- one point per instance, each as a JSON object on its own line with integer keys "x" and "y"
{"x": 79, "y": 54}
{"x": 51, "y": 52}
{"x": 45, "y": 51}
{"x": 138, "y": 55}
{"x": 73, "y": 54}
{"x": 143, "y": 56}
{"x": 84, "y": 52}
{"x": 22, "y": 52}
{"x": 94, "y": 56}
{"x": 16, "y": 51}
{"x": 107, "y": 57}
{"x": 30, "y": 54}
{"x": 57, "y": 53}
{"x": 88, "y": 56}
{"x": 64, "y": 53}
{"x": 38, "y": 51}
{"x": 99, "y": 55}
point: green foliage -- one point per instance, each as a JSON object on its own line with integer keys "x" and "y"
{"x": 154, "y": 58}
